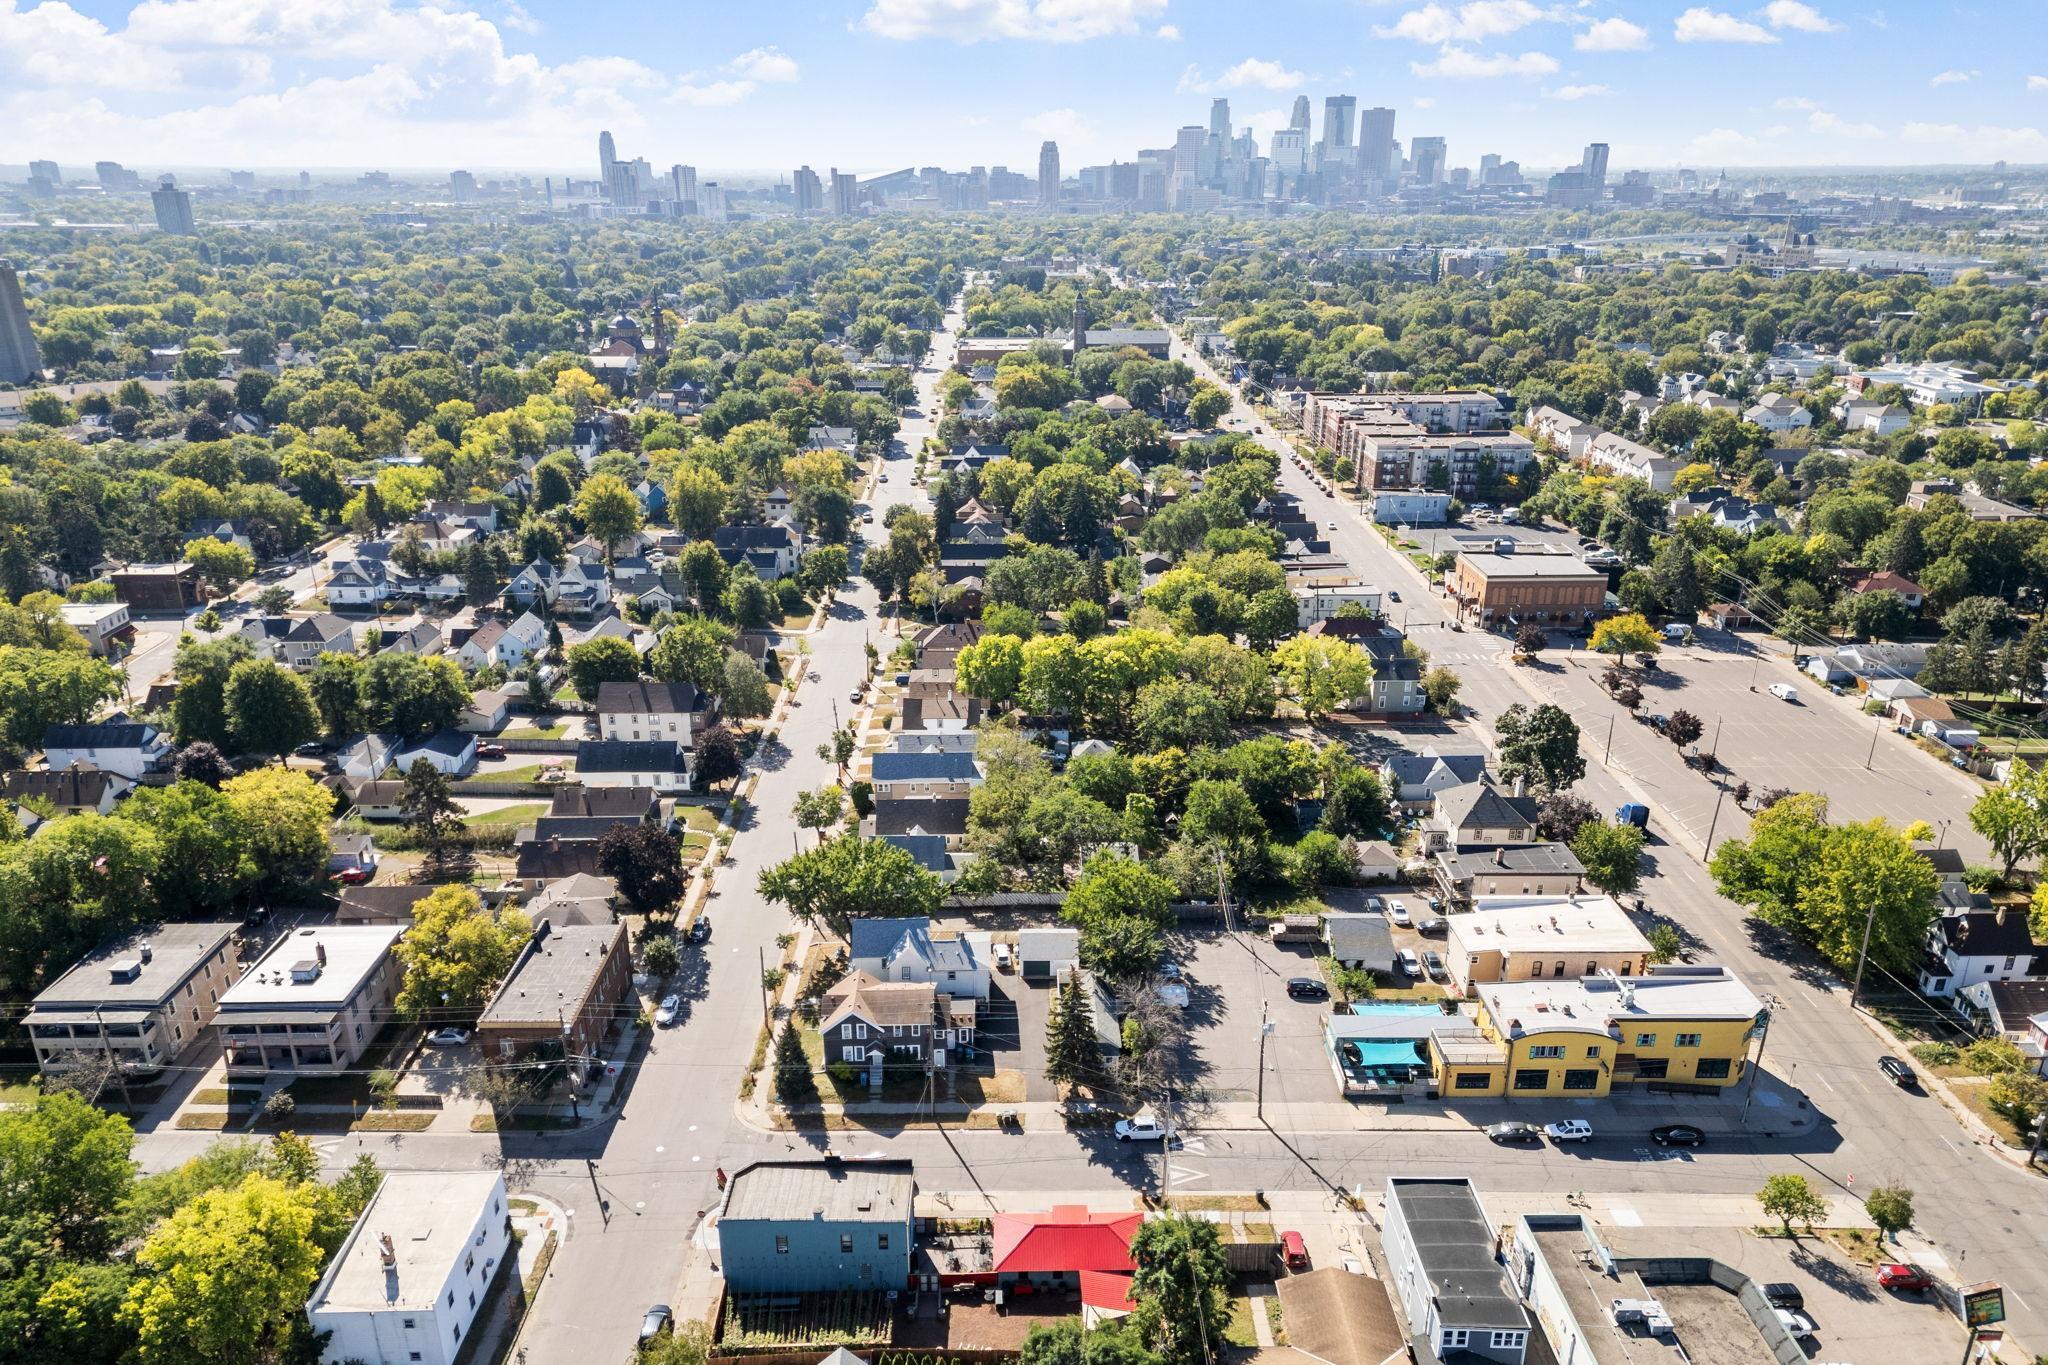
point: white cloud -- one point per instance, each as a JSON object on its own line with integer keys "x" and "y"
{"x": 1800, "y": 102}
{"x": 1793, "y": 14}
{"x": 1471, "y": 22}
{"x": 1821, "y": 121}
{"x": 1952, "y": 77}
{"x": 1457, "y": 63}
{"x": 1722, "y": 142}
{"x": 710, "y": 94}
{"x": 1423, "y": 102}
{"x": 1702, "y": 25}
{"x": 2037, "y": 82}
{"x": 517, "y": 17}
{"x": 769, "y": 65}
{"x": 1985, "y": 142}
{"x": 1057, "y": 124}
{"x": 1167, "y": 33}
{"x": 1576, "y": 92}
{"x": 1253, "y": 73}
{"x": 971, "y": 21}
{"x": 1613, "y": 35}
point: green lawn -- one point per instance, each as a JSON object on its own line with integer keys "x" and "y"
{"x": 698, "y": 819}
{"x": 552, "y": 730}
{"x": 18, "y": 1086}
{"x": 527, "y": 773}
{"x": 525, "y": 813}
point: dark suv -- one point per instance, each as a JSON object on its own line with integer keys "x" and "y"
{"x": 1307, "y": 988}
{"x": 1898, "y": 1073}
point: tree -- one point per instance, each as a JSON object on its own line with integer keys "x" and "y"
{"x": 660, "y": 956}
{"x": 456, "y": 952}
{"x": 1879, "y": 615}
{"x": 1180, "y": 1286}
{"x": 1540, "y": 747}
{"x": 744, "y": 690}
{"x": 747, "y": 602}
{"x": 1220, "y": 813}
{"x": 269, "y": 709}
{"x": 221, "y": 563}
{"x": 1890, "y": 1206}
{"x": 718, "y": 756}
{"x": 794, "y": 1081}
{"x": 1072, "y": 1056}
{"x": 224, "y": 1276}
{"x": 697, "y": 500}
{"x": 1789, "y": 1199}
{"x": 201, "y": 846}
{"x": 337, "y": 686}
{"x": 608, "y": 509}
{"x": 83, "y": 879}
{"x": 1626, "y": 634}
{"x": 1112, "y": 886}
{"x": 430, "y": 812}
{"x": 199, "y": 709}
{"x": 1611, "y": 854}
{"x": 1357, "y": 806}
{"x": 2013, "y": 816}
{"x": 1684, "y": 728}
{"x": 823, "y": 569}
{"x": 1531, "y": 640}
{"x": 851, "y": 878}
{"x": 992, "y": 668}
{"x": 66, "y": 1163}
{"x": 819, "y": 809}
{"x": 1665, "y": 944}
{"x": 1562, "y": 815}
{"x": 1441, "y": 686}
{"x": 840, "y": 749}
{"x": 286, "y": 816}
{"x": 594, "y": 663}
{"x": 479, "y": 575}
{"x": 44, "y": 687}
{"x": 1320, "y": 674}
{"x": 410, "y": 696}
{"x": 201, "y": 763}
{"x": 693, "y": 650}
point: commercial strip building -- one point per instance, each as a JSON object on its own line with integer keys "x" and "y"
{"x": 407, "y": 1282}
{"x": 1582, "y": 1036}
{"x": 313, "y": 1002}
{"x": 1530, "y": 938}
{"x": 1548, "y": 589}
{"x": 138, "y": 1002}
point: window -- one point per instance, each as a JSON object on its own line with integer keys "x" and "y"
{"x": 1548, "y": 1051}
{"x": 472, "y": 1298}
{"x": 1646, "y": 1040}
{"x": 1685, "y": 1040}
{"x": 860, "y": 1030}
{"x": 1454, "y": 1338}
{"x": 458, "y": 1326}
{"x": 1593, "y": 1051}
{"x": 1532, "y": 1078}
{"x": 1558, "y": 969}
{"x": 895, "y": 1030}
{"x": 469, "y": 1263}
{"x": 782, "y": 1246}
{"x": 846, "y": 1243}
{"x": 2008, "y": 961}
{"x": 408, "y": 1324}
{"x": 854, "y": 1054}
{"x": 1581, "y": 1078}
{"x": 1625, "y": 966}
{"x": 881, "y": 1241}
{"x": 846, "y": 1030}
{"x": 1470, "y": 1080}
{"x": 1653, "y": 1068}
{"x": 1712, "y": 1069}
{"x": 1535, "y": 969}
{"x": 451, "y": 1298}
{"x": 1509, "y": 1340}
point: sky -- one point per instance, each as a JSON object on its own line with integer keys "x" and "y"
{"x": 873, "y": 85}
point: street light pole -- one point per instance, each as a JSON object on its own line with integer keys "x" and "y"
{"x": 1263, "y": 1025}
{"x": 1872, "y": 756}
{"x": 1715, "y": 822}
{"x": 1610, "y": 736}
{"x": 1771, "y": 1003}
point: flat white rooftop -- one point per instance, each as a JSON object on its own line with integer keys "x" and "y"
{"x": 1538, "y": 924}
{"x": 313, "y": 968}
{"x": 428, "y": 1215}
{"x": 1588, "y": 1004}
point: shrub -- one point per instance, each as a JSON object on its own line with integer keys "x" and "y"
{"x": 279, "y": 1106}
{"x": 1936, "y": 1054}
{"x": 384, "y": 1088}
{"x": 1993, "y": 1057}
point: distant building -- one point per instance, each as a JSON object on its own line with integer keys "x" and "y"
{"x": 1498, "y": 589}
{"x": 1048, "y": 174}
{"x": 20, "y": 361}
{"x": 461, "y": 186}
{"x": 173, "y": 208}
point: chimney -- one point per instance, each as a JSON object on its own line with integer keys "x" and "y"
{"x": 387, "y": 1253}
{"x": 319, "y": 952}
{"x": 1500, "y": 857}
{"x": 149, "y": 951}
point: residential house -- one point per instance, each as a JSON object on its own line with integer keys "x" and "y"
{"x": 504, "y": 644}
{"x": 533, "y": 587}
{"x": 298, "y": 642}
{"x": 1626, "y": 459}
{"x": 1440, "y": 1247}
{"x": 1315, "y": 602}
{"x": 898, "y": 950}
{"x": 942, "y": 742}
{"x": 1361, "y": 942}
{"x": 1396, "y": 688}
{"x": 1887, "y": 581}
{"x": 662, "y": 765}
{"x": 379, "y": 904}
{"x": 1967, "y": 946}
{"x": 930, "y": 853}
{"x": 620, "y": 805}
{"x": 1417, "y": 779}
{"x": 408, "y": 1281}
{"x": 1561, "y": 429}
{"x": 313, "y": 1003}
{"x": 869, "y": 1023}
{"x": 226, "y": 530}
{"x": 367, "y": 757}
{"x": 422, "y": 639}
{"x": 1545, "y": 869}
{"x": 1778, "y": 412}
{"x": 940, "y": 646}
{"x": 1479, "y": 814}
{"x": 1527, "y": 938}
{"x": 127, "y": 748}
{"x": 774, "y": 551}
{"x": 360, "y": 582}
{"x": 2016, "y": 1011}
{"x": 108, "y": 627}
{"x": 946, "y": 713}
{"x": 141, "y": 1000}
{"x": 1864, "y": 414}
{"x": 924, "y": 776}
{"x": 571, "y": 984}
{"x": 1069, "y": 1248}
{"x": 1744, "y": 517}
{"x": 538, "y": 862}
{"x": 583, "y": 588}
{"x": 1585, "y": 1036}
{"x": 487, "y": 713}
{"x": 651, "y": 710}
{"x": 481, "y": 517}
{"x": 576, "y": 899}
{"x": 814, "y": 1227}
{"x": 449, "y": 752}
{"x": 351, "y": 853}
{"x": 75, "y": 790}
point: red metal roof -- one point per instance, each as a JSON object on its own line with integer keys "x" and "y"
{"x": 1069, "y": 1238}
{"x": 1110, "y": 1293}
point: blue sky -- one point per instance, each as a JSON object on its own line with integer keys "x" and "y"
{"x": 874, "y": 84}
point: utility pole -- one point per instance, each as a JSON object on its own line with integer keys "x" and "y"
{"x": 767, "y": 1011}
{"x": 1872, "y": 756}
{"x": 1715, "y": 822}
{"x": 1265, "y": 1027}
{"x": 1166, "y": 1151}
{"x": 1222, "y": 889}
{"x": 1610, "y": 736}
{"x": 1771, "y": 1003}
{"x": 1863, "y": 954}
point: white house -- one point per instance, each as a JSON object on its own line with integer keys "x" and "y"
{"x": 1777, "y": 412}
{"x": 486, "y": 714}
{"x": 1621, "y": 456}
{"x": 905, "y": 950}
{"x": 450, "y": 752}
{"x": 649, "y": 710}
{"x": 506, "y": 644}
{"x": 660, "y": 764}
{"x": 1561, "y": 429}
{"x": 117, "y": 744}
{"x": 358, "y": 583}
{"x": 408, "y": 1281}
{"x": 1410, "y": 507}
{"x": 1973, "y": 946}
{"x": 1864, "y": 414}
{"x": 1321, "y": 601}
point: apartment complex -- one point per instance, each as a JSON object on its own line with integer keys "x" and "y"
{"x": 313, "y": 1002}
{"x": 1391, "y": 441}
{"x": 139, "y": 1002}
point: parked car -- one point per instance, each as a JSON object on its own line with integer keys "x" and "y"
{"x": 1569, "y": 1130}
{"x": 1293, "y": 1250}
{"x": 1410, "y": 963}
{"x": 1513, "y": 1131}
{"x": 1678, "y": 1135}
{"x": 854, "y": 696}
{"x": 700, "y": 929}
{"x": 1433, "y": 926}
{"x": 1797, "y": 1323}
{"x": 1004, "y": 957}
{"x": 1907, "y": 1278}
{"x": 490, "y": 751}
{"x": 665, "y": 1013}
{"x": 353, "y": 876}
{"x": 312, "y": 748}
{"x": 1397, "y": 914}
{"x": 1784, "y": 691}
{"x": 659, "y": 1322}
{"x": 1143, "y": 1128}
{"x": 1307, "y": 988}
{"x": 448, "y": 1037}
{"x": 1393, "y": 596}
{"x": 1784, "y": 1294}
{"x": 1432, "y": 964}
{"x": 1898, "y": 1073}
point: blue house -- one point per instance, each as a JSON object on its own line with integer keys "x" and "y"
{"x": 795, "y": 1227}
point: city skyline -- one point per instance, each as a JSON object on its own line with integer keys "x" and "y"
{"x": 498, "y": 85}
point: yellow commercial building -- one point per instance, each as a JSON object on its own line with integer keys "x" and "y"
{"x": 1582, "y": 1037}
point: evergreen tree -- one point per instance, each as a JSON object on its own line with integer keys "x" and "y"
{"x": 794, "y": 1083}
{"x": 1071, "y": 1054}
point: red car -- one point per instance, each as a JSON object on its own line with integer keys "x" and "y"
{"x": 490, "y": 751}
{"x": 1907, "y": 1277}
{"x": 353, "y": 876}
{"x": 1294, "y": 1251}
